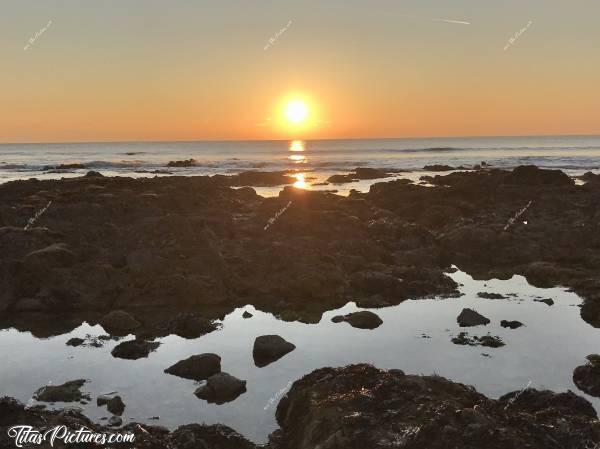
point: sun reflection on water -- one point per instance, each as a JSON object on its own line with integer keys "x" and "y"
{"x": 301, "y": 181}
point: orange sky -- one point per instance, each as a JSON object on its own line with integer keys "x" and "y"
{"x": 145, "y": 71}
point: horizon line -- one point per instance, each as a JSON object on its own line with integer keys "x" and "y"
{"x": 289, "y": 139}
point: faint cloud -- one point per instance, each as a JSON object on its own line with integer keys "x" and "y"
{"x": 517, "y": 35}
{"x": 435, "y": 19}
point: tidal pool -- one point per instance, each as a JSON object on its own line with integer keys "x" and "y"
{"x": 415, "y": 337}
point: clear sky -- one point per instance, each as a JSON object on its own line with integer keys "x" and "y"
{"x": 185, "y": 70}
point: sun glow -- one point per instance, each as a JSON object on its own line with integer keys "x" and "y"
{"x": 296, "y": 111}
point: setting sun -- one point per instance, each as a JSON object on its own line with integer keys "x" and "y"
{"x": 296, "y": 111}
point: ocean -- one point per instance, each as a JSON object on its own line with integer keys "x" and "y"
{"x": 312, "y": 161}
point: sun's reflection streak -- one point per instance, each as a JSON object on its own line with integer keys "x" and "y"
{"x": 301, "y": 182}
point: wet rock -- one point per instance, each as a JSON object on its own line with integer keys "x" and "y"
{"x": 260, "y": 179}
{"x": 120, "y": 321}
{"x": 547, "y": 301}
{"x": 359, "y": 406}
{"x": 489, "y": 341}
{"x": 511, "y": 324}
{"x": 221, "y": 388}
{"x": 58, "y": 253}
{"x": 487, "y": 295}
{"x": 103, "y": 399}
{"x": 360, "y": 320}
{"x": 75, "y": 342}
{"x": 115, "y": 421}
{"x": 94, "y": 174}
{"x": 64, "y": 167}
{"x": 469, "y": 317}
{"x": 269, "y": 348}
{"x": 341, "y": 179}
{"x": 196, "y": 367}
{"x": 247, "y": 314}
{"x": 67, "y": 392}
{"x": 134, "y": 349}
{"x": 184, "y": 163}
{"x": 438, "y": 167}
{"x": 587, "y": 377}
{"x": 116, "y": 406}
{"x": 188, "y": 325}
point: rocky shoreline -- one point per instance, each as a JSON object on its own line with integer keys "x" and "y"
{"x": 160, "y": 256}
{"x": 361, "y": 406}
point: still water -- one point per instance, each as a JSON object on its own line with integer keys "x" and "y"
{"x": 415, "y": 337}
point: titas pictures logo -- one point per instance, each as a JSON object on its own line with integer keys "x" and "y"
{"x": 26, "y": 435}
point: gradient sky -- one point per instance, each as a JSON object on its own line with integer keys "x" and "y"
{"x": 186, "y": 70}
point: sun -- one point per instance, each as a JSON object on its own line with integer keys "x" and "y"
{"x": 296, "y": 111}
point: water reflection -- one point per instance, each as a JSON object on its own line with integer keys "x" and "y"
{"x": 301, "y": 181}
{"x": 297, "y": 145}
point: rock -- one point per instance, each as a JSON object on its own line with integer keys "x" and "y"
{"x": 120, "y": 321}
{"x": 587, "y": 377}
{"x": 359, "y": 406}
{"x": 185, "y": 163}
{"x": 547, "y": 301}
{"x": 190, "y": 326}
{"x": 370, "y": 173}
{"x": 115, "y": 405}
{"x": 469, "y": 317}
{"x": 221, "y": 388}
{"x": 360, "y": 320}
{"x": 269, "y": 348}
{"x": 511, "y": 324}
{"x": 201, "y": 436}
{"x": 75, "y": 341}
{"x": 487, "y": 295}
{"x": 64, "y": 167}
{"x": 67, "y": 392}
{"x": 341, "y": 179}
{"x": 196, "y": 367}
{"x": 134, "y": 349}
{"x": 489, "y": 341}
{"x": 58, "y": 254}
{"x": 438, "y": 167}
{"x": 260, "y": 179}
{"x": 247, "y": 314}
{"x": 94, "y": 174}
{"x": 115, "y": 421}
{"x": 103, "y": 399}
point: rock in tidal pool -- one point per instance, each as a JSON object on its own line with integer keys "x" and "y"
{"x": 587, "y": 377}
{"x": 196, "y": 367}
{"x": 489, "y": 341}
{"x": 511, "y": 324}
{"x": 247, "y": 314}
{"x": 360, "y": 320}
{"x": 75, "y": 342}
{"x": 269, "y": 348}
{"x": 119, "y": 321}
{"x": 134, "y": 349}
{"x": 114, "y": 421}
{"x": 116, "y": 406}
{"x": 487, "y": 295}
{"x": 547, "y": 301}
{"x": 221, "y": 388}
{"x": 469, "y": 318}
{"x": 67, "y": 392}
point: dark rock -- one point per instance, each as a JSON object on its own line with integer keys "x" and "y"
{"x": 359, "y": 407}
{"x": 221, "y": 388}
{"x": 587, "y": 377}
{"x": 247, "y": 314}
{"x": 269, "y": 348}
{"x": 185, "y": 163}
{"x": 134, "y": 349}
{"x": 115, "y": 421}
{"x": 361, "y": 320}
{"x": 260, "y": 179}
{"x": 438, "y": 167}
{"x": 196, "y": 367}
{"x": 547, "y": 301}
{"x": 341, "y": 179}
{"x": 75, "y": 342}
{"x": 511, "y": 324}
{"x": 116, "y": 405}
{"x": 489, "y": 341}
{"x": 469, "y": 317}
{"x": 103, "y": 399}
{"x": 487, "y": 295}
{"x": 94, "y": 174}
{"x": 67, "y": 392}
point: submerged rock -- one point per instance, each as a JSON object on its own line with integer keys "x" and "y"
{"x": 67, "y": 392}
{"x": 487, "y": 295}
{"x": 221, "y": 388}
{"x": 75, "y": 341}
{"x": 115, "y": 421}
{"x": 490, "y": 341}
{"x": 134, "y": 349}
{"x": 438, "y": 167}
{"x": 116, "y": 405}
{"x": 185, "y": 163}
{"x": 547, "y": 301}
{"x": 360, "y": 320}
{"x": 269, "y": 348}
{"x": 196, "y": 367}
{"x": 469, "y": 318}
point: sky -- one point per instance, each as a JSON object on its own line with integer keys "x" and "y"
{"x": 122, "y": 70}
